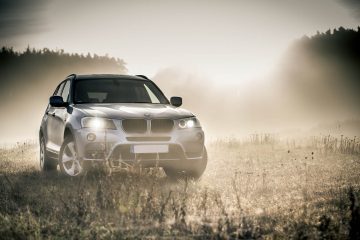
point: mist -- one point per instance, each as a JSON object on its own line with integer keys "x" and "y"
{"x": 313, "y": 89}
{"x": 29, "y": 78}
{"x": 315, "y": 84}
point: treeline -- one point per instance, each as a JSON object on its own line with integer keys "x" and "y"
{"x": 8, "y": 54}
{"x": 341, "y": 43}
{"x": 29, "y": 77}
{"x": 34, "y": 68}
{"x": 323, "y": 72}
{"x": 340, "y": 47}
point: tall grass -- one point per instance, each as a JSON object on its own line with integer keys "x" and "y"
{"x": 250, "y": 190}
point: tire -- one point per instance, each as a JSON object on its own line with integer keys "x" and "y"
{"x": 68, "y": 161}
{"x": 194, "y": 171}
{"x": 200, "y": 166}
{"x": 47, "y": 164}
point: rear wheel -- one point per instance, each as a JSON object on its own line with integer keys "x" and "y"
{"x": 194, "y": 171}
{"x": 68, "y": 159}
{"x": 46, "y": 163}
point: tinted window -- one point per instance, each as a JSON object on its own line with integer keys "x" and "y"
{"x": 65, "y": 92}
{"x": 117, "y": 91}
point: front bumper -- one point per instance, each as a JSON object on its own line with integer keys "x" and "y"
{"x": 184, "y": 145}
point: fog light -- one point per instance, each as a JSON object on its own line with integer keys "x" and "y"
{"x": 182, "y": 124}
{"x": 91, "y": 137}
{"x": 199, "y": 136}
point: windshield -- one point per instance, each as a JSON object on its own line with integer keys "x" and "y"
{"x": 117, "y": 91}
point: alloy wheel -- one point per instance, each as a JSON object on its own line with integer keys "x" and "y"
{"x": 70, "y": 163}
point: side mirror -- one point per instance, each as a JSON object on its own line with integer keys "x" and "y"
{"x": 176, "y": 101}
{"x": 57, "y": 101}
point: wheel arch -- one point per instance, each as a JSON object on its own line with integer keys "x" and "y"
{"x": 68, "y": 132}
{"x": 41, "y": 134}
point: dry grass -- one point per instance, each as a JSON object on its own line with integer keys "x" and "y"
{"x": 249, "y": 190}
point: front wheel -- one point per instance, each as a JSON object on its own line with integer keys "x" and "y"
{"x": 68, "y": 159}
{"x": 194, "y": 171}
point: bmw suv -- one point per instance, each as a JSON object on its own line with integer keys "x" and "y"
{"x": 120, "y": 121}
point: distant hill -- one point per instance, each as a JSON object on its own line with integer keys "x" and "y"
{"x": 28, "y": 78}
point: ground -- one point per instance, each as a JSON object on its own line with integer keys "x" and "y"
{"x": 251, "y": 189}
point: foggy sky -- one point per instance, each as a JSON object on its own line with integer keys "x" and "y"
{"x": 231, "y": 40}
{"x": 214, "y": 52}
{"x": 354, "y": 7}
{"x": 19, "y": 18}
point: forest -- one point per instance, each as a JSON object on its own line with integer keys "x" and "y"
{"x": 327, "y": 63}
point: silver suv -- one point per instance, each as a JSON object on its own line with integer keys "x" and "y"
{"x": 120, "y": 121}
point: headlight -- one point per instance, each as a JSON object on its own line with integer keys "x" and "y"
{"x": 188, "y": 123}
{"x": 97, "y": 123}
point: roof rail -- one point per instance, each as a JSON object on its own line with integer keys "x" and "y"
{"x": 143, "y": 76}
{"x": 71, "y": 75}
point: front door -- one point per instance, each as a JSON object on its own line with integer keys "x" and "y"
{"x": 56, "y": 120}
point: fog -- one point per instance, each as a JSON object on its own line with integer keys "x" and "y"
{"x": 305, "y": 94}
{"x": 312, "y": 89}
{"x": 30, "y": 78}
{"x": 241, "y": 67}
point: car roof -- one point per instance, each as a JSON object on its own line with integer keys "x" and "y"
{"x": 107, "y": 76}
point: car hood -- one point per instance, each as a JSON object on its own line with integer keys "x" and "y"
{"x": 132, "y": 110}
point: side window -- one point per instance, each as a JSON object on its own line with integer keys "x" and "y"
{"x": 58, "y": 90}
{"x": 65, "y": 92}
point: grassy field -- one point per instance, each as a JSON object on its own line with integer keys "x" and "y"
{"x": 251, "y": 189}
